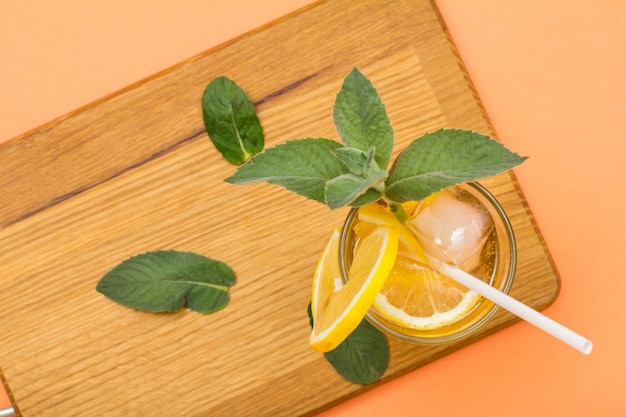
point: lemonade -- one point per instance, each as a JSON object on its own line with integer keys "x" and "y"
{"x": 416, "y": 303}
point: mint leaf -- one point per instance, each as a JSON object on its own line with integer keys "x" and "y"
{"x": 367, "y": 197}
{"x": 303, "y": 166}
{"x": 169, "y": 280}
{"x": 231, "y": 121}
{"x": 361, "y": 118}
{"x": 363, "y": 357}
{"x": 445, "y": 158}
{"x": 349, "y": 188}
{"x": 356, "y": 160}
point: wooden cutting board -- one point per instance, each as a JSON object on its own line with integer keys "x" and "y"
{"x": 136, "y": 172}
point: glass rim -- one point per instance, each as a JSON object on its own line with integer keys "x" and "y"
{"x": 347, "y": 231}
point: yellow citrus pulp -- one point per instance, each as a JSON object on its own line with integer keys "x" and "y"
{"x": 339, "y": 307}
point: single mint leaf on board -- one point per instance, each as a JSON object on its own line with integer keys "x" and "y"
{"x": 163, "y": 281}
{"x": 231, "y": 121}
{"x": 363, "y": 357}
{"x": 361, "y": 118}
{"x": 303, "y": 166}
{"x": 445, "y": 158}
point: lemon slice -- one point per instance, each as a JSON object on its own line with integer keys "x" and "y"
{"x": 417, "y": 297}
{"x": 414, "y": 295}
{"x": 372, "y": 215}
{"x": 338, "y": 308}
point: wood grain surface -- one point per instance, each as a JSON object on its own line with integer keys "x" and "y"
{"x": 136, "y": 172}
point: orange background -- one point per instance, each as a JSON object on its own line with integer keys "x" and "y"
{"x": 552, "y": 76}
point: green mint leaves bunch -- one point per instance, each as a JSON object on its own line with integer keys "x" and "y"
{"x": 353, "y": 172}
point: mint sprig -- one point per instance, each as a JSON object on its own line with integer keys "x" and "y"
{"x": 353, "y": 173}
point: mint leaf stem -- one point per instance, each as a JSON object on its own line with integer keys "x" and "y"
{"x": 399, "y": 212}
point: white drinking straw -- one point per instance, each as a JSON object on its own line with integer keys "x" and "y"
{"x": 7, "y": 412}
{"x": 516, "y": 307}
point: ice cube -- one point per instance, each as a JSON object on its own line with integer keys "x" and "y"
{"x": 453, "y": 228}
